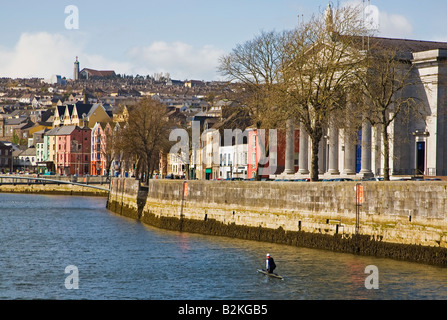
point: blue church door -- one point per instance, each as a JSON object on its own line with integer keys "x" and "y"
{"x": 358, "y": 153}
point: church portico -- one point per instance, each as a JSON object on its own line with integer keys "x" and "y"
{"x": 417, "y": 142}
{"x": 360, "y": 156}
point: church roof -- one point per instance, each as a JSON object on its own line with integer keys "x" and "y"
{"x": 98, "y": 73}
{"x": 402, "y": 45}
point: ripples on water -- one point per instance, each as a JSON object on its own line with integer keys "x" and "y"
{"x": 119, "y": 258}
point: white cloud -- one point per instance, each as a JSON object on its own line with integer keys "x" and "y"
{"x": 44, "y": 54}
{"x": 389, "y": 24}
{"x": 36, "y": 55}
{"x": 394, "y": 26}
{"x": 181, "y": 60}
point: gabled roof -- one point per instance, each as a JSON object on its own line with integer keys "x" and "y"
{"x": 82, "y": 108}
{"x": 103, "y": 125}
{"x": 60, "y": 111}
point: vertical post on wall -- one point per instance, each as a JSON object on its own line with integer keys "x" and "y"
{"x": 359, "y": 199}
{"x": 184, "y": 193}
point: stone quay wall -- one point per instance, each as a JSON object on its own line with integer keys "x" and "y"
{"x": 9, "y": 184}
{"x": 404, "y": 220}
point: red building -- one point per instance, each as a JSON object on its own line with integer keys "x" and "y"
{"x": 275, "y": 162}
{"x": 73, "y": 150}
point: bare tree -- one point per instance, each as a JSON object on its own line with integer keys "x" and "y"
{"x": 318, "y": 74}
{"x": 145, "y": 135}
{"x": 254, "y": 66}
{"x": 386, "y": 79}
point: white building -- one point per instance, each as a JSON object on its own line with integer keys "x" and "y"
{"x": 417, "y": 147}
{"x": 226, "y": 158}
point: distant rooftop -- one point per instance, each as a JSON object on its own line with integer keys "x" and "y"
{"x": 98, "y": 73}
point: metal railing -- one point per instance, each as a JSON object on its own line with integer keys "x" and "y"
{"x": 88, "y": 182}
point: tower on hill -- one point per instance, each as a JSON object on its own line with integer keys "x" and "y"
{"x": 76, "y": 70}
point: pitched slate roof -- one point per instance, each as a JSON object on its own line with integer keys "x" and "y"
{"x": 409, "y": 45}
{"x": 60, "y": 111}
{"x": 402, "y": 45}
{"x": 61, "y": 131}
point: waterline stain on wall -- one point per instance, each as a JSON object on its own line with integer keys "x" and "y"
{"x": 313, "y": 215}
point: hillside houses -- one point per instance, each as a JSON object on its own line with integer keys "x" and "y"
{"x": 40, "y": 119}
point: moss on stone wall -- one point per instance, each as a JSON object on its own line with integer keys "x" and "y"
{"x": 354, "y": 244}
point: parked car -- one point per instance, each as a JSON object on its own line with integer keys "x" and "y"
{"x": 338, "y": 179}
{"x": 374, "y": 179}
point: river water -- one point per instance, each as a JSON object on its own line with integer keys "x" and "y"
{"x": 62, "y": 247}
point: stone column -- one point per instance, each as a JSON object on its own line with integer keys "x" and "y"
{"x": 366, "y": 149}
{"x": 349, "y": 157}
{"x": 290, "y": 148}
{"x": 333, "y": 151}
{"x": 304, "y": 151}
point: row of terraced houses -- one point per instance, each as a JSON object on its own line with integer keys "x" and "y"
{"x": 75, "y": 144}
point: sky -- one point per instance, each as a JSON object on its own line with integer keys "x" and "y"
{"x": 184, "y": 38}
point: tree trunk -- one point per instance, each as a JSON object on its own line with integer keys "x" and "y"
{"x": 386, "y": 154}
{"x": 314, "y": 162}
{"x": 317, "y": 134}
